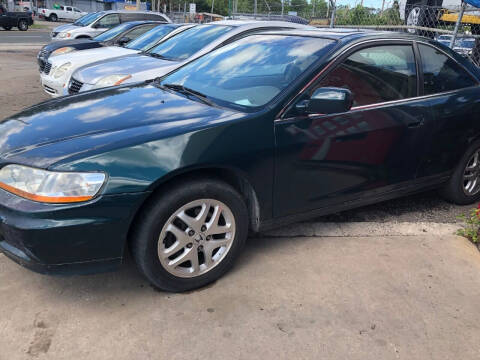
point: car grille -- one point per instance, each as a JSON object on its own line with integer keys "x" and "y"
{"x": 47, "y": 68}
{"x": 74, "y": 86}
{"x": 41, "y": 65}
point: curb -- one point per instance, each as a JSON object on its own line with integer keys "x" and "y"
{"x": 11, "y": 47}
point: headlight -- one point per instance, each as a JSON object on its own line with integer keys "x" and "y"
{"x": 61, "y": 51}
{"x": 64, "y": 35}
{"x": 111, "y": 80}
{"x": 48, "y": 186}
{"x": 60, "y": 71}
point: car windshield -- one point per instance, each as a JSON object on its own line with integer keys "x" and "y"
{"x": 465, "y": 43}
{"x": 249, "y": 72}
{"x": 110, "y": 34}
{"x": 150, "y": 38}
{"x": 188, "y": 42}
{"x": 87, "y": 19}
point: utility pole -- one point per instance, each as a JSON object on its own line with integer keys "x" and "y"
{"x": 138, "y": 4}
{"x": 213, "y": 2}
{"x": 255, "y": 9}
{"x": 313, "y": 8}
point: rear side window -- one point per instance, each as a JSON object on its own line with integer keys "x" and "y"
{"x": 155, "y": 17}
{"x": 376, "y": 74}
{"x": 139, "y": 30}
{"x": 109, "y": 21}
{"x": 441, "y": 73}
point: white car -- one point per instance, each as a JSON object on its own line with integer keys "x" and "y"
{"x": 63, "y": 12}
{"x": 58, "y": 69}
{"x": 170, "y": 54}
{"x": 94, "y": 24}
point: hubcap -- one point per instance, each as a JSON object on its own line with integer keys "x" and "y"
{"x": 412, "y": 19}
{"x": 196, "y": 238}
{"x": 471, "y": 175}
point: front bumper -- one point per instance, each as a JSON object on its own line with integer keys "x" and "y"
{"x": 53, "y": 87}
{"x": 67, "y": 239}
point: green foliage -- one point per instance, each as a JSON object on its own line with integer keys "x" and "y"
{"x": 361, "y": 15}
{"x": 471, "y": 227}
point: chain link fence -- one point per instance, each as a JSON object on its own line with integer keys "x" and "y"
{"x": 451, "y": 22}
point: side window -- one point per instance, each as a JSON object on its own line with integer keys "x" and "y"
{"x": 108, "y": 21}
{"x": 155, "y": 17}
{"x": 68, "y": 8}
{"x": 139, "y": 30}
{"x": 441, "y": 73}
{"x": 76, "y": 10}
{"x": 376, "y": 74}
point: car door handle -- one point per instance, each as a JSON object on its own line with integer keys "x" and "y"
{"x": 416, "y": 122}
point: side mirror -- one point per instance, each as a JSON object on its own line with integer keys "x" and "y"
{"x": 123, "y": 40}
{"x": 327, "y": 100}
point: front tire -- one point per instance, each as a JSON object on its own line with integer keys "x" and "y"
{"x": 190, "y": 235}
{"x": 23, "y": 25}
{"x": 463, "y": 188}
{"x": 53, "y": 17}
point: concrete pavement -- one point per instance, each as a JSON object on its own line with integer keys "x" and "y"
{"x": 389, "y": 297}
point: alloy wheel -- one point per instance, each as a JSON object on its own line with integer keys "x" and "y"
{"x": 413, "y": 19}
{"x": 471, "y": 175}
{"x": 196, "y": 238}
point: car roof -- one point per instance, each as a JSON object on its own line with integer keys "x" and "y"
{"x": 257, "y": 23}
{"x": 346, "y": 34}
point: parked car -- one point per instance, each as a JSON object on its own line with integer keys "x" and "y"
{"x": 57, "y": 71}
{"x": 272, "y": 128}
{"x": 119, "y": 35}
{"x": 63, "y": 12}
{"x": 444, "y": 39}
{"x": 169, "y": 54}
{"x": 464, "y": 46}
{"x": 94, "y": 24}
{"x": 20, "y": 20}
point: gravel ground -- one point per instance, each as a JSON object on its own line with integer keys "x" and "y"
{"x": 20, "y": 87}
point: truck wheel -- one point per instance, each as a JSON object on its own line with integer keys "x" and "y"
{"x": 23, "y": 25}
{"x": 417, "y": 14}
{"x": 53, "y": 17}
{"x": 7, "y": 28}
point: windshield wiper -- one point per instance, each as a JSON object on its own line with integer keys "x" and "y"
{"x": 187, "y": 91}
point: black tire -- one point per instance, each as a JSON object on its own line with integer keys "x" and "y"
{"x": 8, "y": 28}
{"x": 53, "y": 17}
{"x": 144, "y": 239}
{"x": 23, "y": 25}
{"x": 453, "y": 190}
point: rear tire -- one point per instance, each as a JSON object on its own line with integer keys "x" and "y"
{"x": 456, "y": 190}
{"x": 53, "y": 17}
{"x": 179, "y": 249}
{"x": 23, "y": 25}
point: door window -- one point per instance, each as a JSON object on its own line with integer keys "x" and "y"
{"x": 376, "y": 74}
{"x": 68, "y": 8}
{"x": 441, "y": 73}
{"x": 109, "y": 21}
{"x": 139, "y": 30}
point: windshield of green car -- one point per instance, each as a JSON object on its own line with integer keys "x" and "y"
{"x": 250, "y": 72}
{"x": 188, "y": 42}
{"x": 150, "y": 38}
{"x": 88, "y": 19}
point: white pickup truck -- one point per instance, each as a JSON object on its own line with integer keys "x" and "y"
{"x": 63, "y": 12}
